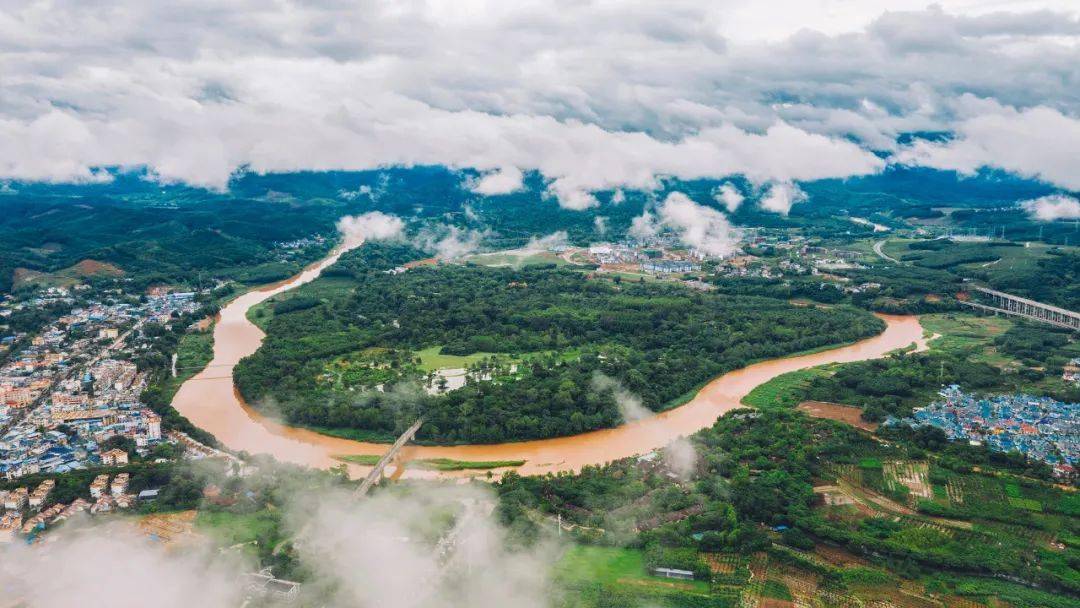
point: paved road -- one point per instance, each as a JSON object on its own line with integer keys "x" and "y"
{"x": 877, "y": 249}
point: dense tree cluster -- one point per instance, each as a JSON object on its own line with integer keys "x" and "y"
{"x": 660, "y": 341}
{"x": 756, "y": 470}
{"x": 894, "y": 385}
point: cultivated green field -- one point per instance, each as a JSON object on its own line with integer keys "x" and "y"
{"x": 432, "y": 359}
{"x": 612, "y": 565}
{"x": 782, "y": 392}
{"x": 435, "y": 464}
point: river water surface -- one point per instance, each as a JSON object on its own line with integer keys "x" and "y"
{"x": 210, "y": 401}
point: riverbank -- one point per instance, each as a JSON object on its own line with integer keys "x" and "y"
{"x": 210, "y": 401}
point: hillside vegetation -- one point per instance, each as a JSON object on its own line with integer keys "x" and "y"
{"x": 341, "y": 359}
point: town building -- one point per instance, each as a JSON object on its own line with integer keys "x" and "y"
{"x": 17, "y": 499}
{"x": 119, "y": 485}
{"x": 1071, "y": 372}
{"x": 10, "y": 523}
{"x": 99, "y": 487}
{"x": 114, "y": 457}
{"x": 41, "y": 493}
{"x": 1040, "y": 428}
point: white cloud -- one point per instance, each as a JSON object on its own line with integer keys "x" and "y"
{"x": 681, "y": 457}
{"x": 781, "y": 197}
{"x": 115, "y": 566}
{"x": 1053, "y": 207}
{"x": 1038, "y": 142}
{"x": 729, "y": 196}
{"x": 643, "y": 226}
{"x": 698, "y": 226}
{"x": 630, "y": 405}
{"x": 558, "y": 238}
{"x": 450, "y": 242}
{"x": 599, "y": 223}
{"x": 370, "y": 226}
{"x": 597, "y": 96}
{"x": 501, "y": 181}
{"x": 382, "y": 551}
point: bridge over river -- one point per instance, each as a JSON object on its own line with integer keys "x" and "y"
{"x": 210, "y": 401}
{"x": 1005, "y": 303}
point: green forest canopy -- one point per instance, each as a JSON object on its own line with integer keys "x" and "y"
{"x": 660, "y": 341}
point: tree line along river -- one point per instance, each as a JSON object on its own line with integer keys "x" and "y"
{"x": 210, "y": 401}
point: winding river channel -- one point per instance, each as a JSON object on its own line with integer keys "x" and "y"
{"x": 211, "y": 402}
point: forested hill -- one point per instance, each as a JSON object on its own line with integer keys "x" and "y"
{"x": 332, "y": 341}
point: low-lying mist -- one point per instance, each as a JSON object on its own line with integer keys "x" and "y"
{"x": 412, "y": 545}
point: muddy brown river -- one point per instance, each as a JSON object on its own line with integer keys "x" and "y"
{"x": 210, "y": 401}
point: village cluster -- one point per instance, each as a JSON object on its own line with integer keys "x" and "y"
{"x": 289, "y": 251}
{"x": 24, "y": 512}
{"x": 73, "y": 386}
{"x": 1038, "y": 427}
{"x": 762, "y": 254}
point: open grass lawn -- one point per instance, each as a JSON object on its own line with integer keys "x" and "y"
{"x": 967, "y": 333}
{"x": 964, "y": 258}
{"x": 896, "y": 247}
{"x": 776, "y": 589}
{"x": 1011, "y": 260}
{"x": 432, "y": 359}
{"x": 782, "y": 392}
{"x": 195, "y": 350}
{"x": 610, "y": 565}
{"x": 233, "y": 528}
{"x": 354, "y": 434}
{"x": 323, "y": 289}
{"x": 516, "y": 258}
{"x": 965, "y": 328}
{"x": 449, "y": 464}
{"x": 193, "y": 353}
{"x": 367, "y": 460}
{"x": 435, "y": 464}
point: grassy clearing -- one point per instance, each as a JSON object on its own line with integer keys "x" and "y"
{"x": 516, "y": 258}
{"x": 1012, "y": 260}
{"x": 325, "y": 288}
{"x": 776, "y": 590}
{"x": 367, "y": 460}
{"x": 193, "y": 353}
{"x": 612, "y": 565}
{"x": 1026, "y": 503}
{"x": 354, "y": 434}
{"x": 235, "y": 528}
{"x": 66, "y": 277}
{"x": 448, "y": 464}
{"x": 783, "y": 391}
{"x": 964, "y": 333}
{"x": 260, "y": 314}
{"x": 435, "y": 464}
{"x": 432, "y": 359}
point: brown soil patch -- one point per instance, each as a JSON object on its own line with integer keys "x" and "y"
{"x": 22, "y": 276}
{"x": 67, "y": 276}
{"x": 170, "y": 528}
{"x": 718, "y": 563}
{"x": 424, "y": 262}
{"x": 657, "y": 583}
{"x": 90, "y": 267}
{"x": 838, "y": 557}
{"x": 836, "y": 411}
{"x": 768, "y": 602}
{"x": 956, "y": 601}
